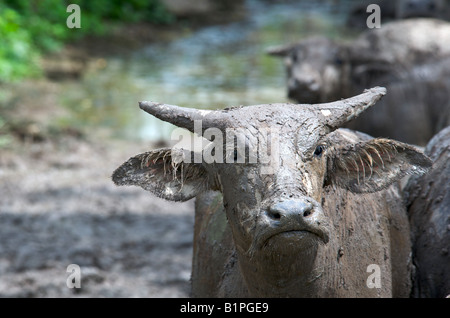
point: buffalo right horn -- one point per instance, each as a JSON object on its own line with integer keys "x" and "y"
{"x": 337, "y": 113}
{"x": 184, "y": 117}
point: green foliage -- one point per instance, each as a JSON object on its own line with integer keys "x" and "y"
{"x": 18, "y": 57}
{"x": 127, "y": 11}
{"x": 30, "y": 27}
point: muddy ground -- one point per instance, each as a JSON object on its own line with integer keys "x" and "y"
{"x": 59, "y": 207}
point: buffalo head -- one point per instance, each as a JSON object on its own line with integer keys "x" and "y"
{"x": 274, "y": 168}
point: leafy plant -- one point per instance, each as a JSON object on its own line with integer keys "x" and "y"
{"x": 18, "y": 55}
{"x": 29, "y": 28}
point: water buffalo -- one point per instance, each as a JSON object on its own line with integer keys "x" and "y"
{"x": 323, "y": 217}
{"x": 429, "y": 212}
{"x": 417, "y": 106}
{"x": 322, "y": 70}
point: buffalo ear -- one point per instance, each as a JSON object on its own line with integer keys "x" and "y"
{"x": 167, "y": 173}
{"x": 373, "y": 165}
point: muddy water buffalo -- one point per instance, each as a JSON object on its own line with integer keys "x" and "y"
{"x": 322, "y": 217}
{"x": 429, "y": 212}
{"x": 417, "y": 106}
{"x": 321, "y": 70}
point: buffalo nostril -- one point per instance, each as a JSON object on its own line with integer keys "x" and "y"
{"x": 307, "y": 210}
{"x": 274, "y": 215}
{"x": 307, "y": 213}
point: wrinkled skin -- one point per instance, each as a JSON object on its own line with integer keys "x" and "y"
{"x": 429, "y": 213}
{"x": 309, "y": 223}
{"x": 399, "y": 56}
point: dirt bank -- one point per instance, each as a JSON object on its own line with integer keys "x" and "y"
{"x": 58, "y": 206}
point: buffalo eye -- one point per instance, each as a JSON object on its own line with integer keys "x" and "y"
{"x": 319, "y": 150}
{"x": 294, "y": 58}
